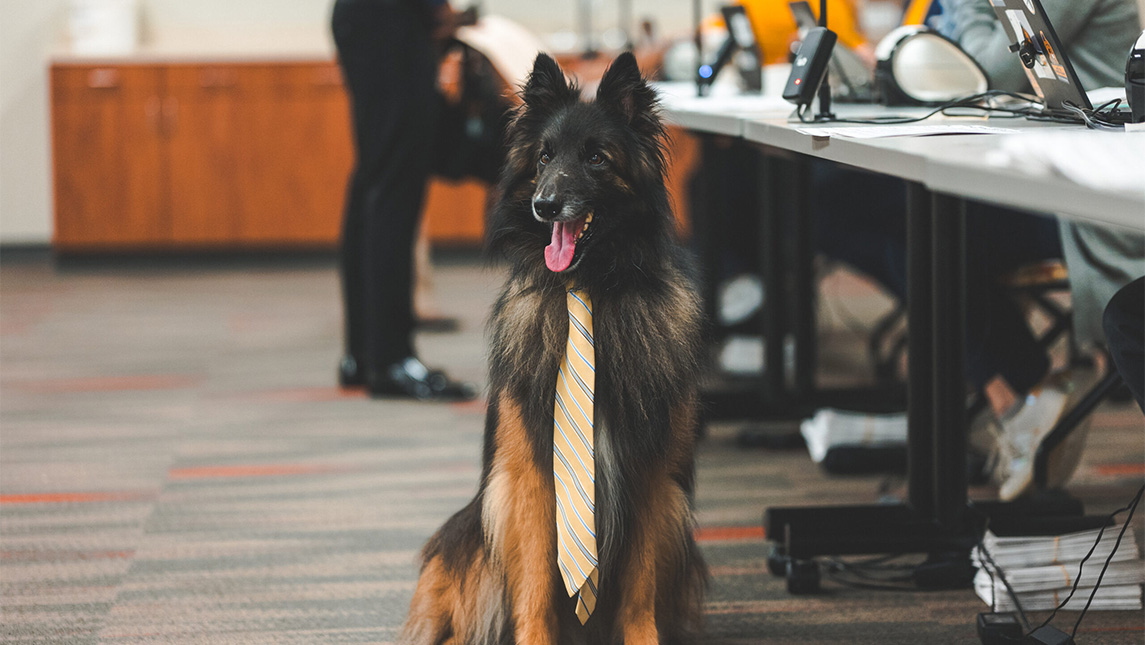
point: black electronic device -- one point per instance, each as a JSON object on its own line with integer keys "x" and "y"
{"x": 999, "y": 629}
{"x": 740, "y": 38}
{"x": 1047, "y": 65}
{"x": 1049, "y": 635}
{"x": 810, "y": 66}
{"x": 855, "y": 84}
{"x": 1135, "y": 80}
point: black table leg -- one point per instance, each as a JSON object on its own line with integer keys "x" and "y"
{"x": 934, "y": 519}
{"x": 949, "y": 333}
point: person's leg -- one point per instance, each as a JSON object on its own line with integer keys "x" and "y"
{"x": 1001, "y": 351}
{"x": 350, "y": 371}
{"x": 1124, "y": 324}
{"x": 860, "y": 219}
{"x": 390, "y": 69}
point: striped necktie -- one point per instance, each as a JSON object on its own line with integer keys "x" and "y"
{"x": 573, "y": 468}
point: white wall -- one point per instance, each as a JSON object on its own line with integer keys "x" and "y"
{"x": 31, "y": 29}
{"x": 27, "y": 31}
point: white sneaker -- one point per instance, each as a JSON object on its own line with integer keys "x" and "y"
{"x": 1025, "y": 430}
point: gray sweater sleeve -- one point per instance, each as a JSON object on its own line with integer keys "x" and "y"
{"x": 974, "y": 25}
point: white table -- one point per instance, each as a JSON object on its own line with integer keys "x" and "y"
{"x": 941, "y": 172}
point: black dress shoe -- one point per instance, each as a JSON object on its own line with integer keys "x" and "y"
{"x": 350, "y": 373}
{"x": 410, "y": 378}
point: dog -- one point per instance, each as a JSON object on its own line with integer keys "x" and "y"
{"x": 490, "y": 575}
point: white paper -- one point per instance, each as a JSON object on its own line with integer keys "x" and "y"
{"x": 884, "y": 131}
{"x": 1107, "y": 598}
{"x": 1102, "y": 160}
{"x": 1012, "y": 553}
{"x": 1063, "y": 576}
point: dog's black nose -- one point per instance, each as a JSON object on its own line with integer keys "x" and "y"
{"x": 547, "y": 208}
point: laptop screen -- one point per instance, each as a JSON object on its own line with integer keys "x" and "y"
{"x": 1040, "y": 52}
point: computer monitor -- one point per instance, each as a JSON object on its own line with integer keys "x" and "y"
{"x": 1033, "y": 40}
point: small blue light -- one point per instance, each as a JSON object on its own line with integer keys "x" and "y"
{"x": 705, "y": 71}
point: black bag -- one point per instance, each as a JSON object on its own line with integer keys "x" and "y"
{"x": 470, "y": 138}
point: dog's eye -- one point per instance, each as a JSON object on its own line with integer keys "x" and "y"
{"x": 545, "y": 158}
{"x": 596, "y": 159}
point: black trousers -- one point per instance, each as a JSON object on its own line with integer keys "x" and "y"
{"x": 390, "y": 68}
{"x": 1124, "y": 323}
{"x": 860, "y": 220}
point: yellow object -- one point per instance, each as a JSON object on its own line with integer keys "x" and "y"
{"x": 775, "y": 27}
{"x": 915, "y": 12}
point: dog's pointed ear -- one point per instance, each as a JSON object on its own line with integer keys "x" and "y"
{"x": 624, "y": 90}
{"x": 546, "y": 84}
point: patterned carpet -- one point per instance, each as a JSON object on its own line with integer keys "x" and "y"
{"x": 177, "y": 467}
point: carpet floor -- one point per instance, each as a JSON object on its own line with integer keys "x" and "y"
{"x": 177, "y": 466}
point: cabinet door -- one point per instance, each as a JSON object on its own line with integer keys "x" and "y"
{"x": 303, "y": 153}
{"x": 209, "y": 111}
{"x": 108, "y": 157}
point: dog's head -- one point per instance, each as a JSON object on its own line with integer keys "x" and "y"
{"x": 583, "y": 181}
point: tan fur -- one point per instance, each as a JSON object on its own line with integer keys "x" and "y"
{"x": 520, "y": 525}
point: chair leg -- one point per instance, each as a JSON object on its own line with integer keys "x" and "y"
{"x": 1068, "y": 423}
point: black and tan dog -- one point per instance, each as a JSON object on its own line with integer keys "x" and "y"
{"x": 582, "y": 198}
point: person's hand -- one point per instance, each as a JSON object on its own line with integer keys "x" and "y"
{"x": 446, "y": 21}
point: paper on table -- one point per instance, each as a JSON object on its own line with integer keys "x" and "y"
{"x": 884, "y": 131}
{"x": 1102, "y": 160}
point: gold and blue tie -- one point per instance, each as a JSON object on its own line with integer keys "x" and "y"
{"x": 573, "y": 469}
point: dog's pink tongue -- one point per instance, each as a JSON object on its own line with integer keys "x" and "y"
{"x": 559, "y": 253}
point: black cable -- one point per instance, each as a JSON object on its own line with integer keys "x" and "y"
{"x": 1006, "y": 583}
{"x": 972, "y": 102}
{"x": 1096, "y": 543}
{"x": 1099, "y": 118}
{"x": 989, "y": 559}
{"x": 1132, "y": 508}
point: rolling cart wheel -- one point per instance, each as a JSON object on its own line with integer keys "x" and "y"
{"x": 777, "y": 561}
{"x": 802, "y": 577}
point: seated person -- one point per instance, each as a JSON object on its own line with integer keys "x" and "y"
{"x": 1003, "y": 359}
{"x": 1125, "y": 332}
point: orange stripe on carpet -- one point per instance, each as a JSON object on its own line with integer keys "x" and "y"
{"x": 70, "y": 498}
{"x": 1115, "y": 470}
{"x": 249, "y": 470}
{"x": 728, "y": 533}
{"x": 109, "y": 383}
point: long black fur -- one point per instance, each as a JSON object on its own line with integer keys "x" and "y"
{"x": 646, "y": 318}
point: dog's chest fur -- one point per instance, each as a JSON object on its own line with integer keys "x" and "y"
{"x": 646, "y": 356}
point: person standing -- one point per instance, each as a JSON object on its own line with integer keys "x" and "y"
{"x": 388, "y": 53}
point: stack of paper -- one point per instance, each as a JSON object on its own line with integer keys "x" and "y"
{"x": 1042, "y": 569}
{"x": 834, "y": 428}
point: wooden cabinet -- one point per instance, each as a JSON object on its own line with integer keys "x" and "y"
{"x": 110, "y": 157}
{"x": 225, "y": 156}
{"x": 190, "y": 156}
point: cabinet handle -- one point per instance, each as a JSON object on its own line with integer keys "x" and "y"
{"x": 103, "y": 79}
{"x": 171, "y": 113}
{"x": 154, "y": 109}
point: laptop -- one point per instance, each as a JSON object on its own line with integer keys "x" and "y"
{"x": 1033, "y": 39}
{"x": 856, "y": 82}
